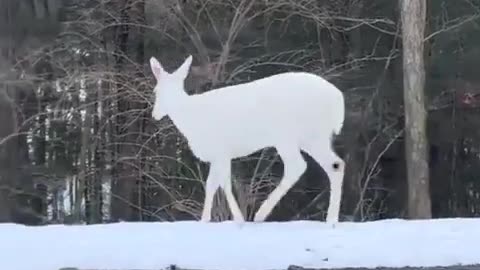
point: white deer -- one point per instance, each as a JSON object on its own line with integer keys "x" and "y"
{"x": 291, "y": 111}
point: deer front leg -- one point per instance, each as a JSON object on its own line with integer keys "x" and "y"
{"x": 232, "y": 202}
{"x": 294, "y": 167}
{"x": 224, "y": 174}
{"x": 211, "y": 187}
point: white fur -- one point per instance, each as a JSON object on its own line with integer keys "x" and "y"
{"x": 290, "y": 111}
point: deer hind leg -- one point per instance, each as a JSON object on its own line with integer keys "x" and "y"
{"x": 334, "y": 166}
{"x": 294, "y": 167}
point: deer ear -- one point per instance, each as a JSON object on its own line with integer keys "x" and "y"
{"x": 183, "y": 70}
{"x": 156, "y": 67}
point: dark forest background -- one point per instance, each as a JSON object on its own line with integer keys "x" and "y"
{"x": 78, "y": 144}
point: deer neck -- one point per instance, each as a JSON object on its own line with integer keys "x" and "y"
{"x": 178, "y": 106}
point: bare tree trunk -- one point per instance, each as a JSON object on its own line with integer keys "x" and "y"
{"x": 413, "y": 13}
{"x": 123, "y": 184}
{"x": 10, "y": 184}
{"x": 6, "y": 129}
{"x": 83, "y": 175}
{"x": 126, "y": 182}
{"x": 98, "y": 151}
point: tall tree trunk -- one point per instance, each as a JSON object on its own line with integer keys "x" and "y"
{"x": 6, "y": 166}
{"x": 139, "y": 11}
{"x": 98, "y": 151}
{"x": 122, "y": 182}
{"x": 15, "y": 185}
{"x": 126, "y": 182}
{"x": 83, "y": 174}
{"x": 413, "y": 15}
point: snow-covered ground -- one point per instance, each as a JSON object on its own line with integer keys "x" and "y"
{"x": 250, "y": 246}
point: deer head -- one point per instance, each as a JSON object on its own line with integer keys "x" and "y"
{"x": 169, "y": 88}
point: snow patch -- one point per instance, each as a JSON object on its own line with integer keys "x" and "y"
{"x": 237, "y": 246}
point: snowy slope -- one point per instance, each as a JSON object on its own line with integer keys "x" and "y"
{"x": 230, "y": 246}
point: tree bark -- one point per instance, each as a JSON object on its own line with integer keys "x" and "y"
{"x": 127, "y": 184}
{"x": 6, "y": 166}
{"x": 84, "y": 175}
{"x": 413, "y": 16}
